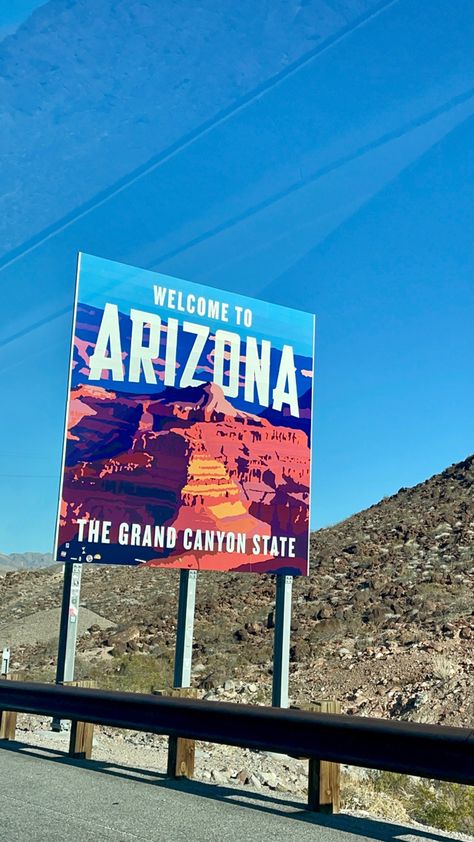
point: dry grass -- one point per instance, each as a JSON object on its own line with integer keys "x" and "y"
{"x": 443, "y": 666}
{"x": 440, "y": 804}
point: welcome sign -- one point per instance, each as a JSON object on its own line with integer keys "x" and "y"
{"x": 188, "y": 426}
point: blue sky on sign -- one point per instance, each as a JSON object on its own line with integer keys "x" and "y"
{"x": 105, "y": 281}
{"x": 319, "y": 156}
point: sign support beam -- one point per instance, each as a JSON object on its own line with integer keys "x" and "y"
{"x": 281, "y": 651}
{"x": 185, "y": 628}
{"x": 68, "y": 628}
{"x": 5, "y": 661}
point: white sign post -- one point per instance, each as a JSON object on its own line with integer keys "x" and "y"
{"x": 281, "y": 652}
{"x": 68, "y": 628}
{"x": 5, "y": 661}
{"x": 185, "y": 628}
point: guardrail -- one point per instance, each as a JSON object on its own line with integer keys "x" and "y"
{"x": 433, "y": 751}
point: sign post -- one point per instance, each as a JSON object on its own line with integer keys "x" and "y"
{"x": 5, "y": 661}
{"x": 281, "y": 652}
{"x": 181, "y": 752}
{"x": 68, "y": 628}
{"x": 185, "y": 628}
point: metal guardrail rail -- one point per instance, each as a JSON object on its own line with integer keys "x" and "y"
{"x": 432, "y": 751}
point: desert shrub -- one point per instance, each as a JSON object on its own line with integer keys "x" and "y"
{"x": 441, "y": 804}
{"x": 443, "y": 666}
{"x": 448, "y": 806}
{"x": 133, "y": 672}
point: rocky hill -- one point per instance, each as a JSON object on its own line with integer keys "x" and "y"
{"x": 384, "y": 622}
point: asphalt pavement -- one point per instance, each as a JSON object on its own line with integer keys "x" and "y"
{"x": 46, "y": 797}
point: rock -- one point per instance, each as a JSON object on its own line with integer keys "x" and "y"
{"x": 213, "y": 680}
{"x": 270, "y": 780}
{"x": 124, "y": 636}
{"x": 218, "y": 777}
{"x": 351, "y": 549}
{"x": 253, "y": 628}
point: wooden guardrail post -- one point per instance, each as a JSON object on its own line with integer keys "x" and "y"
{"x": 181, "y": 751}
{"x": 82, "y": 733}
{"x": 8, "y": 717}
{"x": 323, "y": 776}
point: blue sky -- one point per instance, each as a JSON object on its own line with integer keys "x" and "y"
{"x": 14, "y": 12}
{"x": 318, "y": 156}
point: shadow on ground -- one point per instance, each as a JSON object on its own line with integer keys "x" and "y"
{"x": 384, "y": 831}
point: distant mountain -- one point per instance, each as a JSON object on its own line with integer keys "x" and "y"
{"x": 24, "y": 561}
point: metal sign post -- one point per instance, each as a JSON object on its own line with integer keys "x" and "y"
{"x": 281, "y": 651}
{"x": 68, "y": 628}
{"x": 5, "y": 661}
{"x": 185, "y": 628}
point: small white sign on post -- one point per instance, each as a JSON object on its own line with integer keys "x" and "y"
{"x": 5, "y": 661}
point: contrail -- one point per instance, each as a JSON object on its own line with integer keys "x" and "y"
{"x": 190, "y": 138}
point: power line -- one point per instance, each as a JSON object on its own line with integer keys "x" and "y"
{"x": 34, "y": 326}
{"x": 175, "y": 149}
{"x": 372, "y": 146}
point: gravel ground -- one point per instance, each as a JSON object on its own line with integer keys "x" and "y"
{"x": 43, "y": 626}
{"x": 216, "y": 763}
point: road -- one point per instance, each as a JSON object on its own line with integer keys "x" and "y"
{"x": 45, "y": 797}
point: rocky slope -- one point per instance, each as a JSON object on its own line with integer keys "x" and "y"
{"x": 385, "y": 621}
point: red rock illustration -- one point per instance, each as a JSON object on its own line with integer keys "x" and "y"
{"x": 185, "y": 458}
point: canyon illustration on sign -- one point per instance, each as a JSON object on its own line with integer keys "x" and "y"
{"x": 188, "y": 426}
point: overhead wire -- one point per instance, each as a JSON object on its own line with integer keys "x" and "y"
{"x": 300, "y": 184}
{"x": 220, "y": 118}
